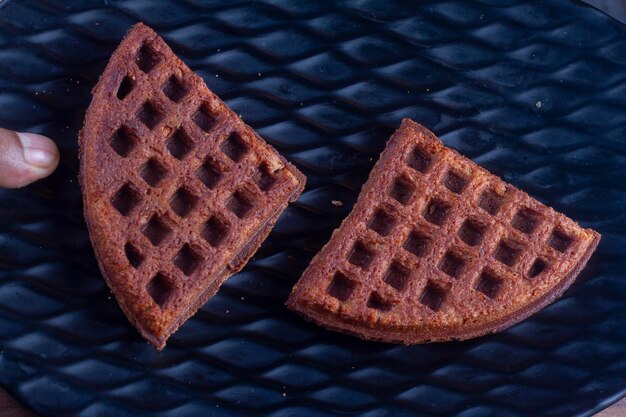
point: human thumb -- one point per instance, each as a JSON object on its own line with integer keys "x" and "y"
{"x": 25, "y": 157}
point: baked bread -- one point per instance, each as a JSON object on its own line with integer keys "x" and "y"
{"x": 178, "y": 192}
{"x": 437, "y": 249}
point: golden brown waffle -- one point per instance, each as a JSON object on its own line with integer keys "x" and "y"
{"x": 436, "y": 248}
{"x": 178, "y": 191}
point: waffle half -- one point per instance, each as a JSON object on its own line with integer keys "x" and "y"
{"x": 437, "y": 249}
{"x": 178, "y": 192}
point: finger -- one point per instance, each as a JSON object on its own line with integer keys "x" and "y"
{"x": 25, "y": 157}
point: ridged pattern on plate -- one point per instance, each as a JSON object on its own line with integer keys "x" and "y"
{"x": 534, "y": 91}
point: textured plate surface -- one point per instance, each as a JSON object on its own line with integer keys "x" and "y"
{"x": 535, "y": 91}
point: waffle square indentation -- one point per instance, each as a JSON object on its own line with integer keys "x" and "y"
{"x": 149, "y": 114}
{"x": 152, "y": 172}
{"x": 455, "y": 182}
{"x": 417, "y": 243}
{"x": 419, "y": 159}
{"x": 160, "y": 288}
{"x": 381, "y": 222}
{"x": 134, "y": 256}
{"x": 240, "y": 203}
{"x": 489, "y": 284}
{"x": 147, "y": 58}
{"x": 125, "y": 88}
{"x": 397, "y": 276}
{"x": 436, "y": 211}
{"x": 490, "y": 201}
{"x": 183, "y": 201}
{"x": 560, "y": 241}
{"x": 187, "y": 260}
{"x": 507, "y": 252}
{"x": 214, "y": 231}
{"x": 203, "y": 117}
{"x": 123, "y": 141}
{"x": 174, "y": 89}
{"x": 538, "y": 267}
{"x": 234, "y": 147}
{"x": 156, "y": 230}
{"x": 402, "y": 190}
{"x": 264, "y": 178}
{"x": 126, "y": 199}
{"x": 179, "y": 144}
{"x": 433, "y": 296}
{"x": 360, "y": 255}
{"x": 209, "y": 173}
{"x": 341, "y": 287}
{"x": 526, "y": 220}
{"x": 378, "y": 302}
{"x": 471, "y": 232}
{"x": 452, "y": 264}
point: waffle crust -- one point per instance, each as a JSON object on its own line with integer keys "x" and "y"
{"x": 178, "y": 192}
{"x": 437, "y": 249}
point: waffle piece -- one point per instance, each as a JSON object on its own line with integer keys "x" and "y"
{"x": 437, "y": 249}
{"x": 178, "y": 192}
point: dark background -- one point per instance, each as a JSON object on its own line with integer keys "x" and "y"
{"x": 615, "y": 8}
{"x": 532, "y": 90}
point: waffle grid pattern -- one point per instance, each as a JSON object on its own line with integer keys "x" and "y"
{"x": 201, "y": 188}
{"x": 446, "y": 213}
{"x": 531, "y": 90}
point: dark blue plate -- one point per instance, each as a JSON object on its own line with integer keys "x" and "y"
{"x": 533, "y": 90}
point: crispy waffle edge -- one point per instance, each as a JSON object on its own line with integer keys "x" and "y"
{"x": 408, "y": 334}
{"x": 234, "y": 265}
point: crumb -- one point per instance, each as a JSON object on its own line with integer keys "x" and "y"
{"x": 337, "y": 203}
{"x": 538, "y": 104}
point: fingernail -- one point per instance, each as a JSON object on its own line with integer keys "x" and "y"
{"x": 38, "y": 150}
